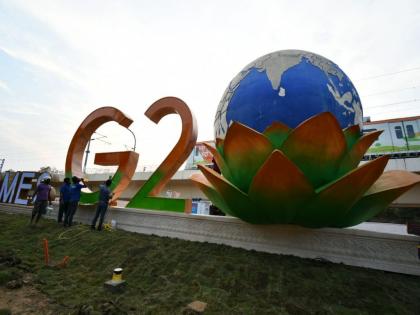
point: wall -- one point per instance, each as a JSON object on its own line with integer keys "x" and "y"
{"x": 354, "y": 246}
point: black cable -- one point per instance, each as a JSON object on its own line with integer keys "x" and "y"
{"x": 388, "y": 74}
{"x": 392, "y": 91}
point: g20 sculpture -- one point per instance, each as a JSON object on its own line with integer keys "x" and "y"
{"x": 146, "y": 197}
{"x": 289, "y": 143}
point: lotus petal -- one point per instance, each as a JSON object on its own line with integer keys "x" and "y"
{"x": 219, "y": 145}
{"x": 335, "y": 199}
{"x": 324, "y": 146}
{"x": 387, "y": 188}
{"x": 352, "y": 134}
{"x": 280, "y": 188}
{"x": 220, "y": 161}
{"x": 277, "y": 133}
{"x": 245, "y": 150}
{"x": 233, "y": 197}
{"x": 210, "y": 192}
{"x": 355, "y": 154}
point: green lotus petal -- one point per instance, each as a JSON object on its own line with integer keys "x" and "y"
{"x": 316, "y": 146}
{"x": 211, "y": 193}
{"x": 220, "y": 161}
{"x": 245, "y": 150}
{"x": 356, "y": 152}
{"x": 277, "y": 133}
{"x": 352, "y": 134}
{"x": 335, "y": 199}
{"x": 280, "y": 188}
{"x": 219, "y": 146}
{"x": 234, "y": 198}
{"x": 387, "y": 188}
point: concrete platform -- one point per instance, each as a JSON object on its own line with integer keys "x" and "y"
{"x": 373, "y": 245}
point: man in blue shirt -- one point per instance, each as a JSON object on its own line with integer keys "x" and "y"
{"x": 104, "y": 196}
{"x": 75, "y": 190}
{"x": 64, "y": 199}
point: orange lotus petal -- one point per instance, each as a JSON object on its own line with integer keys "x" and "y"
{"x": 352, "y": 134}
{"x": 245, "y": 150}
{"x": 280, "y": 188}
{"x": 233, "y": 197}
{"x": 387, "y": 188}
{"x": 277, "y": 133}
{"x": 219, "y": 161}
{"x": 316, "y": 146}
{"x": 356, "y": 152}
{"x": 210, "y": 192}
{"x": 335, "y": 199}
{"x": 393, "y": 179}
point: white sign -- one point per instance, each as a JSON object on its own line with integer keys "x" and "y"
{"x": 15, "y": 190}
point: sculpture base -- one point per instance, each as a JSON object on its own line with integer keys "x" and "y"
{"x": 352, "y": 246}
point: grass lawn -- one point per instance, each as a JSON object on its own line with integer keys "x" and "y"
{"x": 164, "y": 275}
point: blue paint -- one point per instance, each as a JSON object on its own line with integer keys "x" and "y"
{"x": 256, "y": 104}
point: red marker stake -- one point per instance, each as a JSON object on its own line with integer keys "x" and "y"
{"x": 46, "y": 254}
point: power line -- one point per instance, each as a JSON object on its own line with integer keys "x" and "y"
{"x": 396, "y": 103}
{"x": 388, "y": 74}
{"x": 392, "y": 91}
{"x": 395, "y": 109}
{"x": 396, "y": 113}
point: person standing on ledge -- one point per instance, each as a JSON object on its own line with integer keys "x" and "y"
{"x": 75, "y": 190}
{"x": 104, "y": 196}
{"x": 64, "y": 200}
{"x": 42, "y": 193}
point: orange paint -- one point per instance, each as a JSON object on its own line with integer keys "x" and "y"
{"x": 46, "y": 252}
{"x": 186, "y": 142}
{"x": 126, "y": 161}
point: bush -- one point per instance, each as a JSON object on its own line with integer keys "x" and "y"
{"x": 8, "y": 275}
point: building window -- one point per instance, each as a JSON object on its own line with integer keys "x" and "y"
{"x": 369, "y": 130}
{"x": 410, "y": 131}
{"x": 398, "y": 132}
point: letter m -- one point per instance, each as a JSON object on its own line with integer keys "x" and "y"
{"x": 6, "y": 190}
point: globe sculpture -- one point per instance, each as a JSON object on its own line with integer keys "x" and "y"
{"x": 288, "y": 86}
{"x": 289, "y": 146}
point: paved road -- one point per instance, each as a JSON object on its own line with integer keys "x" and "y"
{"x": 400, "y": 229}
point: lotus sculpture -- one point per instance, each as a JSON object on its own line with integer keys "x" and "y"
{"x": 309, "y": 176}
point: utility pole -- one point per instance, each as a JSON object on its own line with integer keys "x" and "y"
{"x": 100, "y": 138}
{"x": 1, "y": 164}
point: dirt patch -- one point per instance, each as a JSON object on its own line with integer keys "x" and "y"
{"x": 26, "y": 300}
{"x": 17, "y": 293}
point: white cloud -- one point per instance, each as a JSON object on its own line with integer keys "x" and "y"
{"x": 129, "y": 54}
{"x": 4, "y": 86}
{"x": 44, "y": 62}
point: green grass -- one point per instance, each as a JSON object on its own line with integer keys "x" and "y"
{"x": 390, "y": 148}
{"x": 164, "y": 275}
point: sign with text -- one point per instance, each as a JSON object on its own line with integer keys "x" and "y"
{"x": 15, "y": 186}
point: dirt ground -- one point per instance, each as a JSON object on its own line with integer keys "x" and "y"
{"x": 25, "y": 300}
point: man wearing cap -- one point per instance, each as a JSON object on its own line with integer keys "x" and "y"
{"x": 75, "y": 191}
{"x": 104, "y": 196}
{"x": 42, "y": 194}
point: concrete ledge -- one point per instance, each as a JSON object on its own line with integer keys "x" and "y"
{"x": 383, "y": 251}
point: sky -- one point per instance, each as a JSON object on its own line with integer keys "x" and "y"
{"x": 60, "y": 60}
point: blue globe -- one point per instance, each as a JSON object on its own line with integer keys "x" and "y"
{"x": 288, "y": 86}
